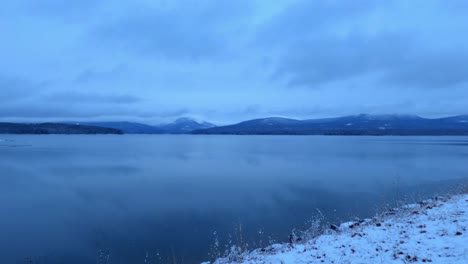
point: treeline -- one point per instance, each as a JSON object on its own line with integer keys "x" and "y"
{"x": 339, "y": 132}
{"x": 54, "y": 128}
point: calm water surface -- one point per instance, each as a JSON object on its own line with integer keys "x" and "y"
{"x": 121, "y": 199}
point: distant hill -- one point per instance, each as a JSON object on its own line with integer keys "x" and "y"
{"x": 179, "y": 126}
{"x": 54, "y": 128}
{"x": 362, "y": 124}
{"x": 348, "y": 125}
{"x": 126, "y": 127}
{"x": 184, "y": 126}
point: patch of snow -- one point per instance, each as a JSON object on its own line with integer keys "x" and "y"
{"x": 431, "y": 231}
{"x": 411, "y": 206}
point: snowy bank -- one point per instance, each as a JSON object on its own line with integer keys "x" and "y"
{"x": 431, "y": 231}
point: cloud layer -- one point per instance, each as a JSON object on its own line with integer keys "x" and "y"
{"x": 226, "y": 61}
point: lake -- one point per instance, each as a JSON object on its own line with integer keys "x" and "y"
{"x": 127, "y": 199}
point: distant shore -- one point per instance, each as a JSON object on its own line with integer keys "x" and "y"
{"x": 54, "y": 128}
{"x": 352, "y": 125}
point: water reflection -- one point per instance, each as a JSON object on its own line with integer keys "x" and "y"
{"x": 75, "y": 199}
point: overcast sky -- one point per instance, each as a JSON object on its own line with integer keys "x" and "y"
{"x": 226, "y": 61}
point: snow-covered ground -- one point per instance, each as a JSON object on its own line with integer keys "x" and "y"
{"x": 431, "y": 231}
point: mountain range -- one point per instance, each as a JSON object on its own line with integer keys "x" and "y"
{"x": 180, "y": 126}
{"x": 362, "y": 124}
